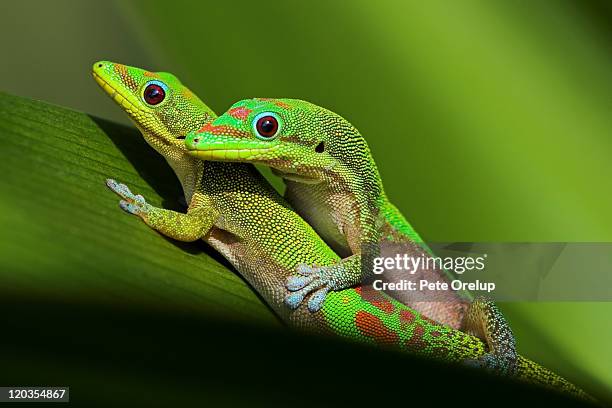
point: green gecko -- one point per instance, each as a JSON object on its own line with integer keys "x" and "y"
{"x": 238, "y": 213}
{"x": 333, "y": 183}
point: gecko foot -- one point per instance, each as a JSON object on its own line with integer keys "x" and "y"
{"x": 131, "y": 203}
{"x": 309, "y": 280}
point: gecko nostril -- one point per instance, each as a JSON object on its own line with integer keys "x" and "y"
{"x": 320, "y": 148}
{"x": 99, "y": 65}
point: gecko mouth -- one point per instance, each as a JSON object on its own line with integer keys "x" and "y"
{"x": 116, "y": 95}
{"x": 224, "y": 154}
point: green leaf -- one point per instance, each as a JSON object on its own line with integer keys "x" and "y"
{"x": 64, "y": 236}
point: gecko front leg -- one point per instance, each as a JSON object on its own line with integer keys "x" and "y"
{"x": 187, "y": 227}
{"x": 317, "y": 281}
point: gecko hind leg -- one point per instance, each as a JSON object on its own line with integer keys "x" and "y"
{"x": 485, "y": 321}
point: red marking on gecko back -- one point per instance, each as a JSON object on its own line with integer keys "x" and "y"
{"x": 375, "y": 298}
{"x": 384, "y": 305}
{"x": 406, "y": 316}
{"x": 416, "y": 342}
{"x": 374, "y": 328}
{"x": 222, "y": 130}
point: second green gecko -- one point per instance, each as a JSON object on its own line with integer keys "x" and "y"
{"x": 333, "y": 183}
{"x": 234, "y": 209}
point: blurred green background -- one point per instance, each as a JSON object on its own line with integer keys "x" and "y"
{"x": 489, "y": 120}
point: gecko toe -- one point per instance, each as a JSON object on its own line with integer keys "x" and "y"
{"x": 120, "y": 189}
{"x": 298, "y": 282}
{"x": 125, "y": 206}
{"x": 317, "y": 299}
{"x": 305, "y": 270}
{"x": 129, "y": 207}
{"x": 294, "y": 300}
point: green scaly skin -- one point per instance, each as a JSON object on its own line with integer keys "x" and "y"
{"x": 234, "y": 209}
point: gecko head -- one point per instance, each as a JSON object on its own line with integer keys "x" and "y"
{"x": 294, "y": 137}
{"x": 158, "y": 103}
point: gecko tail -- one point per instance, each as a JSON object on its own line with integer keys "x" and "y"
{"x": 534, "y": 373}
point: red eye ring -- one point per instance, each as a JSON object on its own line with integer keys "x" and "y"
{"x": 154, "y": 94}
{"x": 267, "y": 126}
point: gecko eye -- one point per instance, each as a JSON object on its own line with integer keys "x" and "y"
{"x": 266, "y": 125}
{"x": 154, "y": 93}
